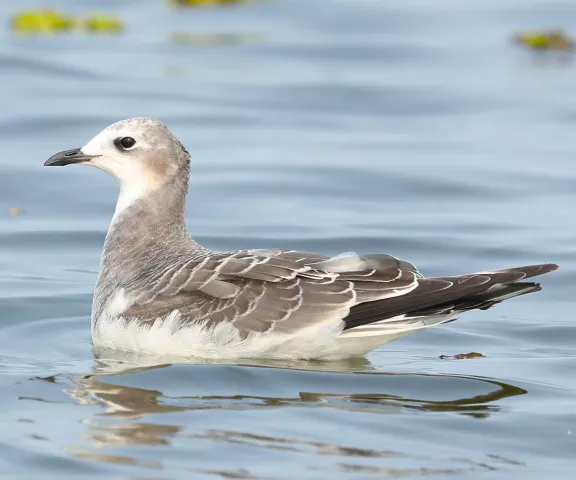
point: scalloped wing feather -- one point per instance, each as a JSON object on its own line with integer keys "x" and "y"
{"x": 264, "y": 290}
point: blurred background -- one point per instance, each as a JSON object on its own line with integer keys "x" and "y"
{"x": 440, "y": 132}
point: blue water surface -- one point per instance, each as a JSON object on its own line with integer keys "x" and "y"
{"x": 412, "y": 128}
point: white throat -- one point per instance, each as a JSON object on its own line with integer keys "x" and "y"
{"x": 129, "y": 194}
{"x": 137, "y": 177}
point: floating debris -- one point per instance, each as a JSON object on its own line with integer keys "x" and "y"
{"x": 462, "y": 356}
{"x": 50, "y": 21}
{"x": 15, "y": 212}
{"x": 545, "y": 40}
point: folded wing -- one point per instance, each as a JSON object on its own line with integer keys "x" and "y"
{"x": 263, "y": 290}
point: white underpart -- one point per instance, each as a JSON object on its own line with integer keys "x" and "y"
{"x": 166, "y": 337}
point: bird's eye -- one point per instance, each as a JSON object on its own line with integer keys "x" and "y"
{"x": 125, "y": 142}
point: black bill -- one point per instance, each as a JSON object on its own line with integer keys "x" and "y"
{"x": 68, "y": 157}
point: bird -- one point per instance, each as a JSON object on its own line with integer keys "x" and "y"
{"x": 161, "y": 293}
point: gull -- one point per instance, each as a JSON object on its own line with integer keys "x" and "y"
{"x": 159, "y": 292}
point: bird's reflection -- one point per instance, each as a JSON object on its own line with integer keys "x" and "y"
{"x": 129, "y": 415}
{"x": 131, "y": 403}
{"x": 126, "y": 402}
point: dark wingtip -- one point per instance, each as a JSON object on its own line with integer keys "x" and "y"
{"x": 546, "y": 268}
{"x": 536, "y": 270}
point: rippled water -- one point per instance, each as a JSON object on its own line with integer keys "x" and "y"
{"x": 345, "y": 125}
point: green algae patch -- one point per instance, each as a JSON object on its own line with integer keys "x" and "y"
{"x": 51, "y": 21}
{"x": 103, "y": 23}
{"x": 42, "y": 21}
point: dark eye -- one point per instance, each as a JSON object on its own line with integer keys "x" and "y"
{"x": 125, "y": 142}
